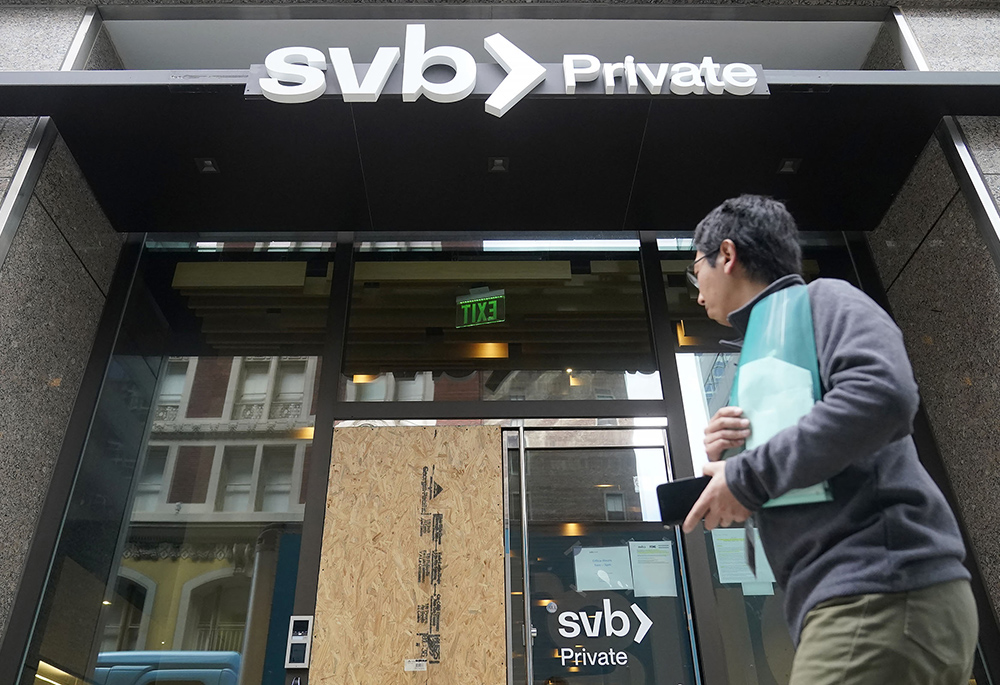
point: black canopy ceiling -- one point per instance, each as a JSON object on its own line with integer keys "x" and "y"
{"x": 595, "y": 163}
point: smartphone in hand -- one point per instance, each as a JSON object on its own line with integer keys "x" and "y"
{"x": 678, "y": 496}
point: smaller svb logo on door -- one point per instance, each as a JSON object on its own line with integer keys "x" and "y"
{"x": 606, "y": 623}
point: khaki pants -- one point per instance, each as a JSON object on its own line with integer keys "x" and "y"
{"x": 923, "y": 637}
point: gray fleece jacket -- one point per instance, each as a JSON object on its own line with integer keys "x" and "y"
{"x": 888, "y": 528}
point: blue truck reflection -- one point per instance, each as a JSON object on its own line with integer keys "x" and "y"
{"x": 187, "y": 668}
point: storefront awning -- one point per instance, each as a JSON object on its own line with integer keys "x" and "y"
{"x": 836, "y": 146}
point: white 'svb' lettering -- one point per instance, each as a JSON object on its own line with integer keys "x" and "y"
{"x": 615, "y": 623}
{"x": 296, "y": 74}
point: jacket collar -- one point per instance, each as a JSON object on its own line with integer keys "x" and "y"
{"x": 740, "y": 318}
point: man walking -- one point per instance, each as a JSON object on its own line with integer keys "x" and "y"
{"x": 875, "y": 589}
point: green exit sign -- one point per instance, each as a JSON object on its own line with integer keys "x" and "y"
{"x": 479, "y": 309}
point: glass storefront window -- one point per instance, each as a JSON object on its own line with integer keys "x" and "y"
{"x": 182, "y": 541}
{"x": 754, "y": 632}
{"x": 498, "y": 318}
{"x": 190, "y": 541}
{"x": 823, "y": 256}
{"x": 757, "y": 647}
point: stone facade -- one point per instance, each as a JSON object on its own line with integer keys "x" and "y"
{"x": 944, "y": 287}
{"x": 53, "y": 284}
{"x": 941, "y": 282}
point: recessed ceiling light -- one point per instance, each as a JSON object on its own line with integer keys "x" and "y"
{"x": 498, "y": 165}
{"x": 789, "y": 165}
{"x": 206, "y": 165}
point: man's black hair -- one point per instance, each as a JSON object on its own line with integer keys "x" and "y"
{"x": 764, "y": 232}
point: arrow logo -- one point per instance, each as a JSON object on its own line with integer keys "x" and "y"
{"x": 523, "y": 74}
{"x": 644, "y": 623}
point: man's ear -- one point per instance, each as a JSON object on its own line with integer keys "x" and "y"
{"x": 729, "y": 256}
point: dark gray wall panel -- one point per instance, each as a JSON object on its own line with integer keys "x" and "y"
{"x": 65, "y": 195}
{"x": 917, "y": 207}
{"x": 982, "y": 134}
{"x": 49, "y": 307}
{"x": 952, "y": 330}
{"x": 14, "y": 133}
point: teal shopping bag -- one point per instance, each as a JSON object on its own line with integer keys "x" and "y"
{"x": 777, "y": 381}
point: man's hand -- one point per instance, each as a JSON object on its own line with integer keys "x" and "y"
{"x": 727, "y": 429}
{"x": 716, "y": 505}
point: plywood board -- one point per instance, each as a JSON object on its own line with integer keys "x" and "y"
{"x": 413, "y": 558}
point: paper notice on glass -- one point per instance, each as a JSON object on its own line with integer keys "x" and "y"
{"x": 603, "y": 568}
{"x": 653, "y": 568}
{"x": 750, "y": 589}
{"x": 730, "y": 557}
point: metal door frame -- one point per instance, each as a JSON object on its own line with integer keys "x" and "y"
{"x": 528, "y": 633}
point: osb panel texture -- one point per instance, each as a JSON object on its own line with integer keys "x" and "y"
{"x": 376, "y": 604}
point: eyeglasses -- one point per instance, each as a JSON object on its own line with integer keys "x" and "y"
{"x": 689, "y": 271}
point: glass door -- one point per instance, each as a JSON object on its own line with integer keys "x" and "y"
{"x": 606, "y": 594}
{"x": 757, "y": 649}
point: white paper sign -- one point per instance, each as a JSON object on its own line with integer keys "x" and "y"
{"x": 603, "y": 568}
{"x": 653, "y": 568}
{"x": 415, "y": 665}
{"x": 730, "y": 557}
